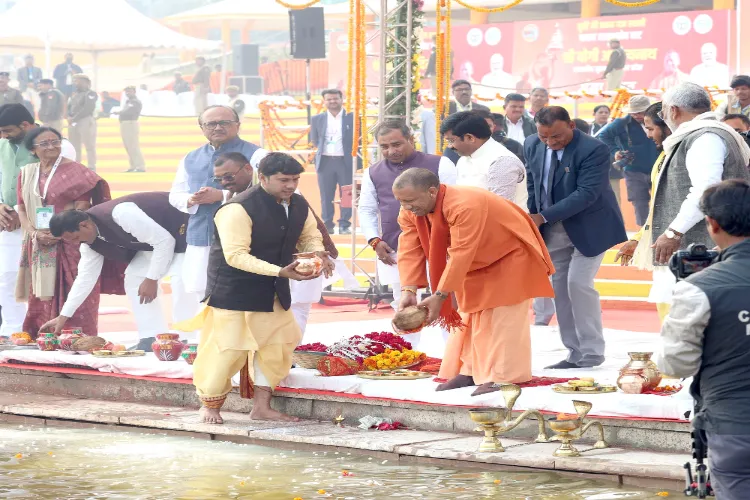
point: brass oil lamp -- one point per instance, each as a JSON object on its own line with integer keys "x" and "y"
{"x": 565, "y": 431}
{"x": 489, "y": 420}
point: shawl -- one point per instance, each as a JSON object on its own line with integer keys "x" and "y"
{"x": 38, "y": 267}
{"x": 643, "y": 257}
{"x": 704, "y": 120}
{"x": 434, "y": 240}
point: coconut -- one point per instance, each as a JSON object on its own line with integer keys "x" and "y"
{"x": 409, "y": 320}
{"x": 89, "y": 344}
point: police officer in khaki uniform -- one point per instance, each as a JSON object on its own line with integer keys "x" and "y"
{"x": 201, "y": 85}
{"x": 7, "y": 94}
{"x": 52, "y": 108}
{"x": 81, "y": 121}
{"x": 233, "y": 91}
{"x": 130, "y": 130}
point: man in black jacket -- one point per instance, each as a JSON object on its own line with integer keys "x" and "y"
{"x": 707, "y": 336}
{"x": 130, "y": 130}
{"x": 616, "y": 65}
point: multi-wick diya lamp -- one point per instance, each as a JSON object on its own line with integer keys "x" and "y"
{"x": 489, "y": 420}
{"x": 565, "y": 428}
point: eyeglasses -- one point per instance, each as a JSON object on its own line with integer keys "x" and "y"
{"x": 215, "y": 125}
{"x": 227, "y": 177}
{"x": 660, "y": 114}
{"x": 48, "y": 144}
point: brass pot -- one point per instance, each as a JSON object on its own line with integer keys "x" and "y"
{"x": 639, "y": 375}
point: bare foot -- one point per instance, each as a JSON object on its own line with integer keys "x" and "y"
{"x": 456, "y": 383}
{"x": 271, "y": 414}
{"x": 210, "y": 416}
{"x": 486, "y": 389}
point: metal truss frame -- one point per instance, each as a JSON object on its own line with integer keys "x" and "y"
{"x": 385, "y": 29}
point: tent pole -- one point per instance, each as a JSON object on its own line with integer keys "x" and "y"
{"x": 48, "y": 56}
{"x": 95, "y": 70}
{"x": 223, "y": 82}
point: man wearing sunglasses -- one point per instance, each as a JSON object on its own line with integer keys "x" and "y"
{"x": 196, "y": 192}
{"x": 15, "y": 123}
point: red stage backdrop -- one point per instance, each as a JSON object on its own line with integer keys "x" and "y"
{"x": 663, "y": 49}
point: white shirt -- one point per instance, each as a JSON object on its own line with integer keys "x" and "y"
{"x": 67, "y": 151}
{"x": 705, "y": 166}
{"x": 368, "y": 198}
{"x": 515, "y": 130}
{"x": 180, "y": 193}
{"x": 334, "y": 145}
{"x": 494, "y": 168}
{"x": 460, "y": 107}
{"x": 132, "y": 220}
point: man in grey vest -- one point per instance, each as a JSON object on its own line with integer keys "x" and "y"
{"x": 137, "y": 240}
{"x": 707, "y": 336}
{"x": 376, "y": 200}
{"x": 195, "y": 192}
{"x": 700, "y": 152}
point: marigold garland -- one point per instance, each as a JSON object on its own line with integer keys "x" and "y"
{"x": 363, "y": 87}
{"x": 297, "y": 7}
{"x": 350, "y": 41}
{"x": 491, "y": 10}
{"x": 392, "y": 359}
{"x": 645, "y": 3}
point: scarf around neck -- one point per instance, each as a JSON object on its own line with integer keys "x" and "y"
{"x": 704, "y": 120}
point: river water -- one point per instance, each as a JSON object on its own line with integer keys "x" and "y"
{"x": 58, "y": 463}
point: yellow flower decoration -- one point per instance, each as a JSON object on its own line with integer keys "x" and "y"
{"x": 663, "y": 494}
{"x": 19, "y": 456}
{"x": 321, "y": 492}
{"x": 497, "y": 481}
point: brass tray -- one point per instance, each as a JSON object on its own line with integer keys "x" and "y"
{"x": 597, "y": 389}
{"x": 394, "y": 375}
{"x": 128, "y": 354}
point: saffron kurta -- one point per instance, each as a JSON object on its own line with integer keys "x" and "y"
{"x": 229, "y": 339}
{"x": 497, "y": 262}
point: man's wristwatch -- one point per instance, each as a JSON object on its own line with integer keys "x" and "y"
{"x": 672, "y": 234}
{"x": 441, "y": 295}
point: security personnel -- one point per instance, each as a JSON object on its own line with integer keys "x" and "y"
{"x": 201, "y": 85}
{"x": 81, "y": 121}
{"x": 233, "y": 91}
{"x": 130, "y": 130}
{"x": 52, "y": 108}
{"x": 7, "y": 94}
{"x": 707, "y": 336}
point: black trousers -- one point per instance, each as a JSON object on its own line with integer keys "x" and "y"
{"x": 333, "y": 173}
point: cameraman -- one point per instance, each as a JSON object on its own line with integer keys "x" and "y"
{"x": 707, "y": 335}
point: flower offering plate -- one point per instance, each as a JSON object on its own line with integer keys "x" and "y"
{"x": 394, "y": 375}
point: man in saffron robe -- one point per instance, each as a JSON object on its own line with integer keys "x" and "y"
{"x": 488, "y": 253}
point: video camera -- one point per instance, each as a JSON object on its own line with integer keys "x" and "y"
{"x": 696, "y": 258}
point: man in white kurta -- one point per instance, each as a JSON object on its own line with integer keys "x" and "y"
{"x": 145, "y": 267}
{"x": 194, "y": 186}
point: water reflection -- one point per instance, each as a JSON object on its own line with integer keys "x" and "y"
{"x": 58, "y": 463}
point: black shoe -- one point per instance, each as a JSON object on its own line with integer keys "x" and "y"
{"x": 562, "y": 365}
{"x": 589, "y": 363}
{"x": 541, "y": 323}
{"x": 345, "y": 230}
{"x": 144, "y": 345}
{"x": 330, "y": 229}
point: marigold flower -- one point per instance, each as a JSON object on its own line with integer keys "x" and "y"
{"x": 19, "y": 455}
{"x": 321, "y": 492}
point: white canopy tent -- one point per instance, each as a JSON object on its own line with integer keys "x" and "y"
{"x": 94, "y": 26}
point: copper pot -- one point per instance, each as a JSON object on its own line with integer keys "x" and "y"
{"x": 308, "y": 263}
{"x": 640, "y": 374}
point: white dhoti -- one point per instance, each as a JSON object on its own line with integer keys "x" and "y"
{"x": 195, "y": 272}
{"x": 150, "y": 318}
{"x": 13, "y": 313}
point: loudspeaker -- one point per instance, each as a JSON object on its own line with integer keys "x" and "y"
{"x": 246, "y": 59}
{"x": 307, "y": 33}
{"x": 252, "y": 85}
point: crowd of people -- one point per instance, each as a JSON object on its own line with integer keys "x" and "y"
{"x": 520, "y": 208}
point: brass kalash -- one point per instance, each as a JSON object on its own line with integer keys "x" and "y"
{"x": 489, "y": 420}
{"x": 565, "y": 431}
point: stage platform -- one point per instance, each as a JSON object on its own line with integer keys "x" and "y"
{"x": 644, "y": 421}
